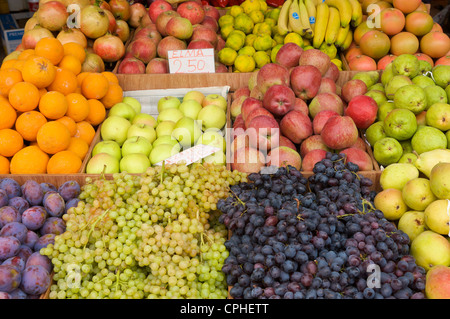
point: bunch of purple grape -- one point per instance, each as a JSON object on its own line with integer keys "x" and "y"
{"x": 30, "y": 218}
{"x": 319, "y": 237}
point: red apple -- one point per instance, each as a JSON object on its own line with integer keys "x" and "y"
{"x": 138, "y": 15}
{"x": 300, "y": 106}
{"x": 211, "y": 11}
{"x": 279, "y": 99}
{"x": 220, "y": 68}
{"x": 305, "y": 81}
{"x": 353, "y": 88}
{"x": 263, "y": 132}
{"x": 283, "y": 156}
{"x": 296, "y": 126}
{"x": 271, "y": 74}
{"x": 191, "y": 10}
{"x": 284, "y": 141}
{"x": 332, "y": 73}
{"x": 311, "y": 158}
{"x": 205, "y": 33}
{"x": 149, "y": 31}
{"x": 257, "y": 93}
{"x": 256, "y": 112}
{"x": 249, "y": 104}
{"x": 220, "y": 43}
{"x": 143, "y": 49}
{"x": 211, "y": 23}
{"x": 313, "y": 142}
{"x": 169, "y": 43}
{"x": 200, "y": 44}
{"x": 239, "y": 142}
{"x": 360, "y": 144}
{"x": 358, "y": 157}
{"x": 236, "y": 105}
{"x": 180, "y": 28}
{"x": 120, "y": 9}
{"x": 289, "y": 54}
{"x": 122, "y": 30}
{"x": 238, "y": 121}
{"x": 339, "y": 132}
{"x": 157, "y": 7}
{"x": 248, "y": 160}
{"x": 243, "y": 90}
{"x": 363, "y": 110}
{"x": 321, "y": 118}
{"x": 112, "y": 21}
{"x": 163, "y": 19}
{"x": 157, "y": 66}
{"x": 316, "y": 58}
{"x": 327, "y": 85}
{"x": 326, "y": 101}
{"x": 131, "y": 66}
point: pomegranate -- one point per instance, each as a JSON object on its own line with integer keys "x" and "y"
{"x": 122, "y": 30}
{"x": 93, "y": 63}
{"x": 30, "y": 24}
{"x": 31, "y": 37}
{"x": 72, "y": 35}
{"x": 94, "y": 21}
{"x": 120, "y": 9}
{"x": 109, "y": 47}
{"x": 435, "y": 44}
{"x": 404, "y": 42}
{"x": 112, "y": 21}
{"x": 52, "y": 15}
{"x": 138, "y": 14}
{"x": 362, "y": 63}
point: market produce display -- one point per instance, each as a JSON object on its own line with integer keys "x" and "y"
{"x": 31, "y": 216}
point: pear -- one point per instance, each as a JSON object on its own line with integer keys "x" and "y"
{"x": 406, "y": 64}
{"x": 430, "y": 249}
{"x": 417, "y": 193}
{"x": 396, "y": 82}
{"x": 396, "y": 175}
{"x": 408, "y": 158}
{"x": 441, "y": 75}
{"x": 427, "y": 160}
{"x": 423, "y": 81}
{"x": 437, "y": 216}
{"x": 438, "y": 283}
{"x": 412, "y": 223}
{"x": 377, "y": 87}
{"x": 387, "y": 75}
{"x": 368, "y": 77}
{"x": 390, "y": 202}
{"x": 428, "y": 138}
{"x": 440, "y": 180}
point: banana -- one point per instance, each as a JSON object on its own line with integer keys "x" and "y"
{"x": 283, "y": 18}
{"x": 295, "y": 21}
{"x": 312, "y": 12}
{"x": 345, "y": 10}
{"x": 304, "y": 17}
{"x": 357, "y": 14}
{"x": 334, "y": 24}
{"x": 323, "y": 12}
{"x": 341, "y": 36}
{"x": 347, "y": 42}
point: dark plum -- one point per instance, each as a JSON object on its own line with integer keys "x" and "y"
{"x": 54, "y": 204}
{"x": 72, "y": 203}
{"x": 24, "y": 252}
{"x": 11, "y": 187}
{"x": 35, "y": 280}
{"x": 15, "y": 229}
{"x": 53, "y": 225}
{"x": 37, "y": 259}
{"x": 47, "y": 187}
{"x": 34, "y": 217}
{"x": 18, "y": 294}
{"x": 44, "y": 241}
{"x": 10, "y": 278}
{"x": 19, "y": 203}
{"x": 17, "y": 262}
{"x": 31, "y": 239}
{"x": 3, "y": 198}
{"x": 69, "y": 190}
{"x": 9, "y": 214}
{"x": 32, "y": 192}
{"x": 9, "y": 246}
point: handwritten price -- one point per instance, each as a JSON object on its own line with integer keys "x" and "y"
{"x": 191, "y": 61}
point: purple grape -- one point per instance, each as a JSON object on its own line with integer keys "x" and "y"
{"x": 31, "y": 239}
{"x": 19, "y": 203}
{"x": 9, "y": 214}
{"x": 72, "y": 203}
{"x": 17, "y": 262}
{"x": 15, "y": 229}
{"x": 24, "y": 252}
{"x": 9, "y": 246}
{"x": 54, "y": 204}
{"x": 37, "y": 259}
{"x": 47, "y": 187}
{"x": 69, "y": 190}
{"x": 10, "y": 278}
{"x": 34, "y": 217}
{"x": 35, "y": 280}
{"x": 11, "y": 187}
{"x": 43, "y": 241}
{"x": 32, "y": 192}
{"x": 3, "y": 198}
{"x": 53, "y": 225}
{"x": 5, "y": 295}
{"x": 18, "y": 294}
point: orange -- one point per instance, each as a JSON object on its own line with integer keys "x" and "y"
{"x": 9, "y": 77}
{"x": 25, "y": 54}
{"x": 24, "y": 96}
{"x": 76, "y": 50}
{"x": 85, "y": 131}
{"x": 8, "y": 64}
{"x": 78, "y": 107}
{"x": 10, "y": 142}
{"x": 39, "y": 71}
{"x": 72, "y": 63}
{"x": 53, "y": 105}
{"x": 97, "y": 112}
{"x": 113, "y": 96}
{"x": 80, "y": 77}
{"x": 29, "y": 160}
{"x": 50, "y": 48}
{"x": 65, "y": 82}
{"x": 42, "y": 92}
{"x": 69, "y": 123}
{"x": 29, "y": 123}
{"x": 64, "y": 162}
{"x": 94, "y": 86}
{"x": 8, "y": 114}
{"x": 4, "y": 165}
{"x": 79, "y": 147}
{"x": 19, "y": 65}
{"x": 111, "y": 76}
{"x": 53, "y": 137}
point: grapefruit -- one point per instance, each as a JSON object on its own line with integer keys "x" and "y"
{"x": 362, "y": 63}
{"x": 375, "y": 44}
{"x": 406, "y": 6}
{"x": 404, "y": 42}
{"x": 435, "y": 44}
{"x": 392, "y": 21}
{"x": 419, "y": 23}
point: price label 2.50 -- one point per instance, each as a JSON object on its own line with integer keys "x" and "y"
{"x": 191, "y": 61}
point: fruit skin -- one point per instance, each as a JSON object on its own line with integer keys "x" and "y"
{"x": 345, "y": 10}
{"x": 339, "y": 132}
{"x": 396, "y": 175}
{"x": 427, "y": 160}
{"x": 333, "y": 26}
{"x": 363, "y": 110}
{"x": 412, "y": 223}
{"x": 391, "y": 203}
{"x": 439, "y": 180}
{"x": 323, "y": 12}
{"x": 283, "y": 18}
{"x": 437, "y": 284}
{"x": 357, "y": 13}
{"x": 430, "y": 249}
{"x": 294, "y": 21}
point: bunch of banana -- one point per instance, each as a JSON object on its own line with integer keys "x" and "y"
{"x": 297, "y": 16}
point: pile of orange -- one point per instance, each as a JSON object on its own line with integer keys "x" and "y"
{"x": 50, "y": 109}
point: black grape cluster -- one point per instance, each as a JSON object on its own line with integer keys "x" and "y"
{"x": 319, "y": 237}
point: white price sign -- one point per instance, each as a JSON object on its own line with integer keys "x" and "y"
{"x": 191, "y": 61}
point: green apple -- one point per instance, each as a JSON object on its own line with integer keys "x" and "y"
{"x": 218, "y": 157}
{"x": 137, "y": 144}
{"x": 166, "y": 139}
{"x": 135, "y": 163}
{"x": 143, "y": 130}
{"x": 213, "y": 137}
{"x": 161, "y": 152}
{"x": 190, "y": 108}
{"x": 215, "y": 99}
{"x": 123, "y": 110}
{"x": 109, "y": 147}
{"x": 115, "y": 128}
{"x": 164, "y": 128}
{"x": 194, "y": 95}
{"x": 387, "y": 151}
{"x": 391, "y": 203}
{"x": 168, "y": 102}
{"x": 430, "y": 249}
{"x": 412, "y": 223}
{"x": 417, "y": 193}
{"x": 144, "y": 118}
{"x": 170, "y": 114}
{"x": 134, "y": 103}
{"x": 187, "y": 131}
{"x": 103, "y": 163}
{"x": 212, "y": 116}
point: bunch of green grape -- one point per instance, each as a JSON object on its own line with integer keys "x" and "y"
{"x": 153, "y": 235}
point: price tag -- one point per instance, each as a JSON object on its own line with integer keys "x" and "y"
{"x": 191, "y": 61}
{"x": 191, "y": 155}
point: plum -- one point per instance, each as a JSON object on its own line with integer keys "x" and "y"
{"x": 32, "y": 192}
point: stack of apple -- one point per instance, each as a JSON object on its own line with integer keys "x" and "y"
{"x": 190, "y": 25}
{"x": 416, "y": 198}
{"x": 132, "y": 141}
{"x": 292, "y": 113}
